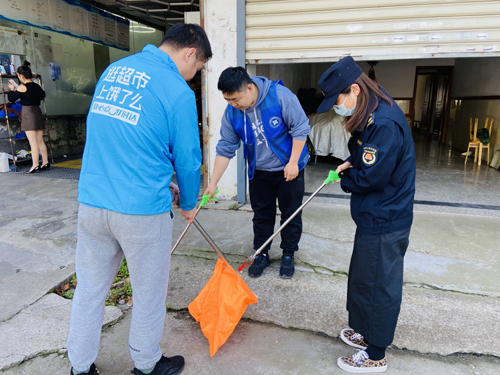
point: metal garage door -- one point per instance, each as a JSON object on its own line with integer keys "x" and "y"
{"x": 324, "y": 30}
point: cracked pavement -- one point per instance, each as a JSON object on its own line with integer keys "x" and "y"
{"x": 450, "y": 303}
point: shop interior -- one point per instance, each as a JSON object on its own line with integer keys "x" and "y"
{"x": 69, "y": 68}
{"x": 439, "y": 98}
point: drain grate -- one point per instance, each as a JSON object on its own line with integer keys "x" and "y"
{"x": 53, "y": 172}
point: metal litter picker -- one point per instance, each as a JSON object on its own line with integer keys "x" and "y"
{"x": 204, "y": 200}
{"x": 224, "y": 298}
{"x": 332, "y": 176}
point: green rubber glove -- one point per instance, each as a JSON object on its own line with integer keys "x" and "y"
{"x": 205, "y": 200}
{"x": 332, "y": 176}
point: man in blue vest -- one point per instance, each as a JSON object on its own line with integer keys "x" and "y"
{"x": 142, "y": 125}
{"x": 268, "y": 118}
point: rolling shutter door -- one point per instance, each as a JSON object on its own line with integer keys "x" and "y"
{"x": 325, "y": 30}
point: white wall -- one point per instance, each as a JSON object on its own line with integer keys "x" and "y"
{"x": 220, "y": 26}
{"x": 476, "y": 77}
{"x": 294, "y": 76}
{"x": 396, "y": 76}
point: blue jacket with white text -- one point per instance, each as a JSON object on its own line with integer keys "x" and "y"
{"x": 141, "y": 127}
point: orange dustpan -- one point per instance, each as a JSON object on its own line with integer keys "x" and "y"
{"x": 222, "y": 301}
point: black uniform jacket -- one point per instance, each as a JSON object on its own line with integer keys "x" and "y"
{"x": 382, "y": 179}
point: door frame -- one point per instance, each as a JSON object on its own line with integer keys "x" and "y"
{"x": 418, "y": 71}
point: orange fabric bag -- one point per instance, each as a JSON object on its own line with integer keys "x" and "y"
{"x": 221, "y": 304}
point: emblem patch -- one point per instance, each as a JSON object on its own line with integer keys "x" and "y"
{"x": 274, "y": 122}
{"x": 369, "y": 155}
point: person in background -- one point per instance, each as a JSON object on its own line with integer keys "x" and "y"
{"x": 31, "y": 94}
{"x": 380, "y": 175}
{"x": 130, "y": 155}
{"x": 268, "y": 118}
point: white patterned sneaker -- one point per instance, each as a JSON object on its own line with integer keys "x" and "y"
{"x": 353, "y": 339}
{"x": 360, "y": 363}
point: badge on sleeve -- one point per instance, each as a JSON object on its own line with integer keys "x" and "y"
{"x": 370, "y": 155}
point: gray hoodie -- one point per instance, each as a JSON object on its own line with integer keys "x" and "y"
{"x": 293, "y": 116}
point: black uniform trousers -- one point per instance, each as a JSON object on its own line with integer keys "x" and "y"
{"x": 375, "y": 285}
{"x": 264, "y": 188}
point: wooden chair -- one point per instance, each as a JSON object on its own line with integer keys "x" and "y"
{"x": 473, "y": 141}
{"x": 483, "y": 146}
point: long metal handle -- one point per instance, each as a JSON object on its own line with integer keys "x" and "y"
{"x": 289, "y": 219}
{"x": 184, "y": 232}
{"x": 250, "y": 259}
{"x": 209, "y": 240}
{"x": 204, "y": 200}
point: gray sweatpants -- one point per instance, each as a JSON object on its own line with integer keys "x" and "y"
{"x": 103, "y": 238}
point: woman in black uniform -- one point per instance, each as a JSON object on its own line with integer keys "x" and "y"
{"x": 380, "y": 175}
{"x": 31, "y": 94}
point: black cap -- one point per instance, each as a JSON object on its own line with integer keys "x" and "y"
{"x": 338, "y": 77}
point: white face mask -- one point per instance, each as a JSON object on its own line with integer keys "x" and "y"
{"x": 341, "y": 109}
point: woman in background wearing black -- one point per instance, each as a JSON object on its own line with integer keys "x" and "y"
{"x": 31, "y": 94}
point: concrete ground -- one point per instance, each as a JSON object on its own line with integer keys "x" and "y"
{"x": 254, "y": 348}
{"x": 449, "y": 323}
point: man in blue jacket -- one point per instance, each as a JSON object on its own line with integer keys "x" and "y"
{"x": 142, "y": 125}
{"x": 268, "y": 118}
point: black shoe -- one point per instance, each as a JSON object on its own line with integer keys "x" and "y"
{"x": 92, "y": 371}
{"x": 34, "y": 170}
{"x": 166, "y": 366}
{"x": 257, "y": 268}
{"x": 45, "y": 166}
{"x": 287, "y": 268}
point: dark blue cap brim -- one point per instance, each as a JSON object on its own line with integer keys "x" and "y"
{"x": 327, "y": 104}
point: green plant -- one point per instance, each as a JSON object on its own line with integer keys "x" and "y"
{"x": 127, "y": 287}
{"x": 123, "y": 271}
{"x": 117, "y": 293}
{"x": 69, "y": 294}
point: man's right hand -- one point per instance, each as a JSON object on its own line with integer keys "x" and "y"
{"x": 188, "y": 215}
{"x": 210, "y": 190}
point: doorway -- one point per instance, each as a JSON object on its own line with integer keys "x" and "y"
{"x": 431, "y": 101}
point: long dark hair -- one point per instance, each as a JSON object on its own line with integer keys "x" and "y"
{"x": 366, "y": 104}
{"x": 25, "y": 70}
